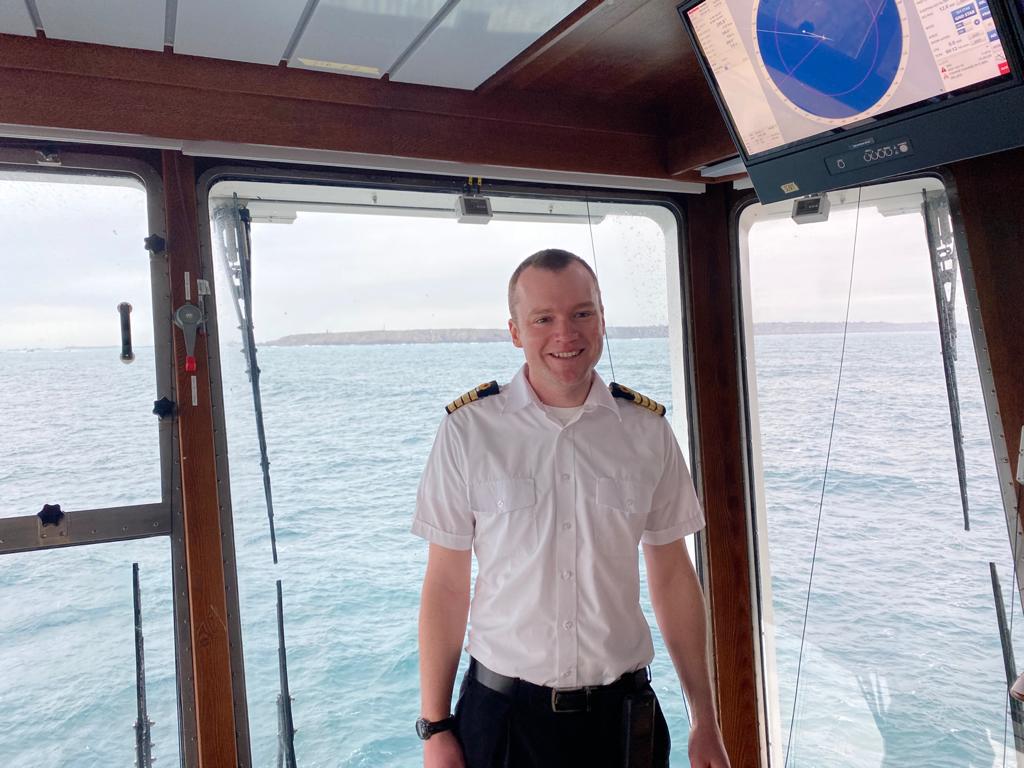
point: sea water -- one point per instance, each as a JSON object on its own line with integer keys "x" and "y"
{"x": 901, "y": 662}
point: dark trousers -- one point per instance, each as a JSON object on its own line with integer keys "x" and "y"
{"x": 520, "y": 730}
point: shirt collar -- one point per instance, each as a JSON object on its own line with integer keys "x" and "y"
{"x": 521, "y": 394}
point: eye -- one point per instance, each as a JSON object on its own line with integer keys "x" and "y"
{"x": 585, "y": 313}
{"x": 541, "y": 320}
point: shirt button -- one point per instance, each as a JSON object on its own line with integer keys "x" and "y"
{"x": 501, "y": 503}
{"x": 566, "y": 526}
{"x": 565, "y": 475}
{"x": 568, "y": 625}
{"x": 629, "y": 502}
{"x": 566, "y": 575}
{"x": 567, "y": 672}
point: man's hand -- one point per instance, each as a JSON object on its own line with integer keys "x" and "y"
{"x": 442, "y": 750}
{"x": 706, "y": 747}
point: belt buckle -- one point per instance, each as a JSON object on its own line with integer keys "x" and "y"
{"x": 556, "y": 693}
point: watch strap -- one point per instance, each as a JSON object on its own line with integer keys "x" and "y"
{"x": 426, "y": 728}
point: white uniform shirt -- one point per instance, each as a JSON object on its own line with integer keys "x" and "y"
{"x": 555, "y": 515}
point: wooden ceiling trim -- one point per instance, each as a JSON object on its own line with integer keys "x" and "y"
{"x": 574, "y": 33}
{"x": 190, "y": 114}
{"x": 641, "y": 59}
{"x": 617, "y": 81}
{"x": 698, "y": 146}
{"x": 122, "y": 64}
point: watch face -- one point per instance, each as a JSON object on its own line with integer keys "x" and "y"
{"x": 425, "y": 729}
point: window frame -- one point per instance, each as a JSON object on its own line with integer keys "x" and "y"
{"x": 24, "y": 533}
{"x": 750, "y": 418}
{"x": 216, "y": 172}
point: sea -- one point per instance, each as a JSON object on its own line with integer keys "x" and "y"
{"x": 880, "y": 640}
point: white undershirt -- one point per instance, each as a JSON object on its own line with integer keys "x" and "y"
{"x": 564, "y": 416}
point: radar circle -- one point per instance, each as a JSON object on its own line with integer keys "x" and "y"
{"x": 832, "y": 60}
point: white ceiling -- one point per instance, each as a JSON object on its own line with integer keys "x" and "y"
{"x": 450, "y": 43}
{"x": 15, "y": 18}
{"x": 127, "y": 23}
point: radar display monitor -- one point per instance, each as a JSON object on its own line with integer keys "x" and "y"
{"x": 790, "y": 74}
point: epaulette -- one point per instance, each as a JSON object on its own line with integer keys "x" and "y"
{"x": 642, "y": 400}
{"x": 484, "y": 390}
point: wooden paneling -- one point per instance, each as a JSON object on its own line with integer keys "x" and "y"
{"x": 615, "y": 89}
{"x": 146, "y": 67}
{"x": 206, "y": 596}
{"x": 989, "y": 191}
{"x": 718, "y": 395}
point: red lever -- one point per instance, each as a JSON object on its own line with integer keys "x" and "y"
{"x": 190, "y": 364}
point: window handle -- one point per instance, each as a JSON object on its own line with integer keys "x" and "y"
{"x": 188, "y": 318}
{"x": 125, "y": 309}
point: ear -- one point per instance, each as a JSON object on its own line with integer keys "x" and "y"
{"x": 513, "y": 330}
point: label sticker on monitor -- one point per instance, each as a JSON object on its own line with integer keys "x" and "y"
{"x": 790, "y": 69}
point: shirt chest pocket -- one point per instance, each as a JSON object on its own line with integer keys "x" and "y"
{"x": 624, "y": 496}
{"x": 502, "y": 496}
{"x": 621, "y": 514}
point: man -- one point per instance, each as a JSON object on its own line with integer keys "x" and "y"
{"x": 554, "y": 482}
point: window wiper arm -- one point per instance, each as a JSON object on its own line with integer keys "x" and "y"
{"x": 944, "y": 273}
{"x": 143, "y": 725}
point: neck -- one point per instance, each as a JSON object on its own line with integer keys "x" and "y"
{"x": 568, "y": 397}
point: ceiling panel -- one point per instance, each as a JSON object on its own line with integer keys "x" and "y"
{"x": 257, "y": 31}
{"x": 361, "y": 37}
{"x": 478, "y": 38}
{"x": 124, "y": 23}
{"x": 15, "y": 18}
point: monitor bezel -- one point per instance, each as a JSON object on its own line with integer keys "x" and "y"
{"x": 1009, "y": 23}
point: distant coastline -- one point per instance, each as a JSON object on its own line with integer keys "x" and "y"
{"x": 488, "y": 335}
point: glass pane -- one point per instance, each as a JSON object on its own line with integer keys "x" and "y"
{"x": 67, "y": 651}
{"x": 350, "y": 421}
{"x": 879, "y": 621}
{"x": 76, "y": 424}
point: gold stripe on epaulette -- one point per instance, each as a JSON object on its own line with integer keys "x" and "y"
{"x": 484, "y": 390}
{"x": 618, "y": 390}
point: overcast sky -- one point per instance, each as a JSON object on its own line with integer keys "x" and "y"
{"x": 72, "y": 253}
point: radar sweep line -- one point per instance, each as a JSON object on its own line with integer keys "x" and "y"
{"x": 814, "y": 35}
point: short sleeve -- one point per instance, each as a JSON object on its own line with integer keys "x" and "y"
{"x": 675, "y": 510}
{"x": 443, "y": 515}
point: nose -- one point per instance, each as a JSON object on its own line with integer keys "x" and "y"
{"x": 565, "y": 329}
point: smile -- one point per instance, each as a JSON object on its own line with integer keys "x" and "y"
{"x": 566, "y": 355}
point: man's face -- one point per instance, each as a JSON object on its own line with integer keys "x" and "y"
{"x": 559, "y": 325}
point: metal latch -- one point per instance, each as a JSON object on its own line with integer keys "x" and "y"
{"x": 52, "y": 524}
{"x": 189, "y": 317}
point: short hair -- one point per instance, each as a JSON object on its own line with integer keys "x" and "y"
{"x": 553, "y": 260}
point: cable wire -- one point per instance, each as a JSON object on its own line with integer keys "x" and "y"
{"x": 593, "y": 252}
{"x": 824, "y": 483}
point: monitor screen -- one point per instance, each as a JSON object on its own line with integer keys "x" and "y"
{"x": 788, "y": 70}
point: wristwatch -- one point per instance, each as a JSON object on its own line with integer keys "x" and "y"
{"x": 425, "y": 728}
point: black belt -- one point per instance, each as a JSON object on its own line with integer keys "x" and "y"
{"x": 561, "y": 699}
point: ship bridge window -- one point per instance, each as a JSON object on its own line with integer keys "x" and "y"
{"x": 72, "y": 252}
{"x": 884, "y": 568}
{"x": 371, "y": 310}
{"x": 83, "y": 461}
